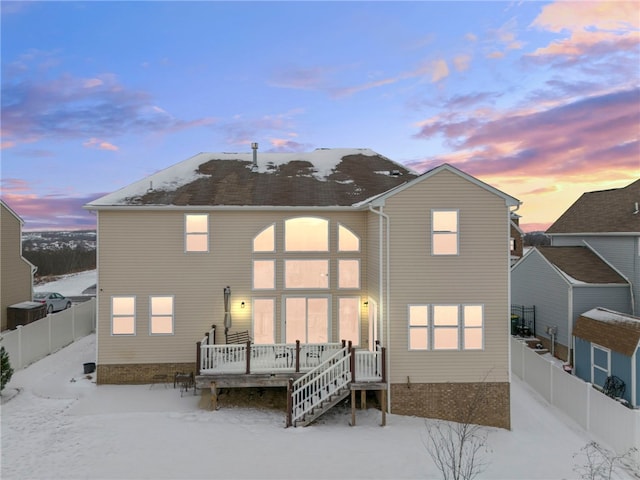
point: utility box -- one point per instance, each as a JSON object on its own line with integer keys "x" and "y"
{"x": 24, "y": 313}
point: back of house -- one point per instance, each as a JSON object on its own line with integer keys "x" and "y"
{"x": 317, "y": 247}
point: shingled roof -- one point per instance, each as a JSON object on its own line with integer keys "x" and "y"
{"x": 614, "y": 330}
{"x": 604, "y": 211}
{"x": 581, "y": 265}
{"x": 324, "y": 177}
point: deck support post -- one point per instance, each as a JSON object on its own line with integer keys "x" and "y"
{"x": 289, "y": 402}
{"x": 198, "y": 359}
{"x": 383, "y": 407}
{"x": 353, "y": 408}
{"x": 213, "y": 405}
{"x": 248, "y": 357}
{"x": 352, "y": 361}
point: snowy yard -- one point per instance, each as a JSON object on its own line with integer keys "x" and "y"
{"x": 57, "y": 424}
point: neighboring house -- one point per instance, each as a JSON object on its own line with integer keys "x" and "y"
{"x": 330, "y": 245}
{"x": 16, "y": 277}
{"x": 593, "y": 261}
{"x": 607, "y": 344}
{"x": 516, "y": 242}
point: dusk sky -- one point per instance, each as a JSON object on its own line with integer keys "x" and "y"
{"x": 539, "y": 99}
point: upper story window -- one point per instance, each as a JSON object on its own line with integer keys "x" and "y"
{"x": 306, "y": 234}
{"x": 161, "y": 315}
{"x": 444, "y": 232}
{"x": 196, "y": 232}
{"x": 123, "y": 315}
{"x": 306, "y": 273}
{"x": 347, "y": 240}
{"x": 265, "y": 240}
{"x": 264, "y": 274}
{"x": 348, "y": 273}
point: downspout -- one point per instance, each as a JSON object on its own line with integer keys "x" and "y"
{"x": 385, "y": 306}
{"x": 509, "y": 212}
{"x": 634, "y": 376}
{"x": 570, "y": 324}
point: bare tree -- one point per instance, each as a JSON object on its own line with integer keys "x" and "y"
{"x": 458, "y": 449}
{"x": 599, "y": 463}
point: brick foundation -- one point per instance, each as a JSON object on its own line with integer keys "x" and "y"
{"x": 455, "y": 402}
{"x": 140, "y": 373}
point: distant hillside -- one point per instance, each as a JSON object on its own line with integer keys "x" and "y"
{"x": 60, "y": 253}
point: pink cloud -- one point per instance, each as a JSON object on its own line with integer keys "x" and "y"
{"x": 591, "y": 28}
{"x": 591, "y": 136}
{"x": 50, "y": 212}
{"x": 100, "y": 144}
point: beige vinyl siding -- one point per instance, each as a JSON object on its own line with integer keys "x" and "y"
{"x": 15, "y": 279}
{"x": 478, "y": 275}
{"x": 141, "y": 253}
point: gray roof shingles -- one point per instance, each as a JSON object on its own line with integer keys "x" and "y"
{"x": 581, "y": 264}
{"x": 604, "y": 211}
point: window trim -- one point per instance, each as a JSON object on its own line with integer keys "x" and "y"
{"x": 188, "y": 234}
{"x": 445, "y": 232}
{"x": 253, "y": 319}
{"x": 595, "y": 346}
{"x": 343, "y": 226}
{"x": 325, "y": 220}
{"x": 253, "y": 275}
{"x": 284, "y": 273}
{"x": 172, "y": 316}
{"x": 359, "y": 273}
{"x": 431, "y": 327}
{"x": 253, "y": 244}
{"x": 426, "y": 328}
{"x": 358, "y": 301}
{"x": 114, "y": 316}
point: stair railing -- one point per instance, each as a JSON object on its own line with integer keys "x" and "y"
{"x": 317, "y": 385}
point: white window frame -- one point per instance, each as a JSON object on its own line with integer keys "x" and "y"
{"x": 472, "y": 327}
{"x": 188, "y": 234}
{"x": 341, "y": 228}
{"x": 357, "y": 300}
{"x": 271, "y": 227}
{"x": 287, "y": 261}
{"x": 595, "y": 346}
{"x": 359, "y": 273}
{"x": 253, "y": 275}
{"x": 116, "y": 316}
{"x": 435, "y": 233}
{"x": 164, "y": 315}
{"x": 425, "y": 329}
{"x": 323, "y": 220}
{"x": 273, "y": 320}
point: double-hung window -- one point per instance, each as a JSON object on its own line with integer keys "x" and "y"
{"x": 123, "y": 315}
{"x": 444, "y": 232}
{"x": 161, "y": 315}
{"x": 196, "y": 232}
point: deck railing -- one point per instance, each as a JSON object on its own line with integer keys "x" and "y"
{"x": 251, "y": 358}
{"x": 314, "y": 387}
{"x": 369, "y": 366}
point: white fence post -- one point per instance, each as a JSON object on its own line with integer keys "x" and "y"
{"x": 20, "y": 346}
{"x": 49, "y": 325}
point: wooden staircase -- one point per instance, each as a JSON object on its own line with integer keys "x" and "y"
{"x": 322, "y": 388}
{"x": 324, "y": 406}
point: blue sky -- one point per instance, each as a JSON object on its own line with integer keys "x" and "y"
{"x": 539, "y": 99}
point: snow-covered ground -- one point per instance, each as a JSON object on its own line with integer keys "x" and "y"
{"x": 57, "y": 424}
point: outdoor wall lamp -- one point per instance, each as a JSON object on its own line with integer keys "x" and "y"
{"x": 242, "y": 305}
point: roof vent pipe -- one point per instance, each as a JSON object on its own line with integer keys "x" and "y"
{"x": 254, "y": 147}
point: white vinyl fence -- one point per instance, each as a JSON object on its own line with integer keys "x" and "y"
{"x": 31, "y": 342}
{"x": 614, "y": 424}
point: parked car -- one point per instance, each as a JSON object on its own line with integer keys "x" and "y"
{"x": 55, "y": 302}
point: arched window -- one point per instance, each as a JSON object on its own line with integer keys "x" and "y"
{"x": 265, "y": 240}
{"x": 306, "y": 234}
{"x": 347, "y": 240}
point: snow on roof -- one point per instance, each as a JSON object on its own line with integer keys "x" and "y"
{"x": 324, "y": 161}
{"x": 606, "y": 315}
